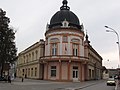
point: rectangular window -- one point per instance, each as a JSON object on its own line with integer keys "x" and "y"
{"x": 54, "y": 49}
{"x": 28, "y": 71}
{"x": 23, "y": 72}
{"x": 93, "y": 73}
{"x": 90, "y": 73}
{"x": 32, "y": 56}
{"x": 31, "y": 71}
{"x": 75, "y": 49}
{"x": 35, "y": 71}
{"x": 53, "y": 71}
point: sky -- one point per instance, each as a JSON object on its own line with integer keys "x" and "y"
{"x": 30, "y": 17}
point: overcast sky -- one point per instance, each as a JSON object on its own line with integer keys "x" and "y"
{"x": 29, "y": 18}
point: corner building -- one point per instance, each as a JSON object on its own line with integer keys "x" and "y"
{"x": 67, "y": 56}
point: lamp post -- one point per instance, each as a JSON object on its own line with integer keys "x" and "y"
{"x": 113, "y": 30}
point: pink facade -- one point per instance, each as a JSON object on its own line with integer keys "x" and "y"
{"x": 65, "y": 71}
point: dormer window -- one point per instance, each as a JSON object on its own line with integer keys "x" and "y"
{"x": 65, "y": 23}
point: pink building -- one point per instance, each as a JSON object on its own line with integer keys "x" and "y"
{"x": 66, "y": 53}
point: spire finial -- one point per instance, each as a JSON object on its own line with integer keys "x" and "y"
{"x": 65, "y": 2}
{"x": 87, "y": 37}
{"x": 64, "y": 6}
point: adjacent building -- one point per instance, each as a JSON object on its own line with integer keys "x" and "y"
{"x": 65, "y": 55}
{"x": 28, "y": 64}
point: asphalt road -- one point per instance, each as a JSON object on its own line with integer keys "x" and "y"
{"x": 99, "y": 86}
{"x": 49, "y": 85}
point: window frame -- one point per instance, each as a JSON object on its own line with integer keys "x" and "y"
{"x": 53, "y": 71}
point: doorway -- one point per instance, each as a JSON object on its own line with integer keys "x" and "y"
{"x": 75, "y": 73}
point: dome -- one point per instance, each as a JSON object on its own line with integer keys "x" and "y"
{"x": 64, "y": 15}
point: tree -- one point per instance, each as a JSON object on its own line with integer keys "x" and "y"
{"x": 7, "y": 44}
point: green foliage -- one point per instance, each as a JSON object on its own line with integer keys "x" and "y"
{"x": 7, "y": 36}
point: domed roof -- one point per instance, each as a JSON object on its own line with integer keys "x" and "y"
{"x": 64, "y": 15}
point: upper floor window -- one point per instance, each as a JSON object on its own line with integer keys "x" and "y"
{"x": 36, "y": 54}
{"x": 54, "y": 40}
{"x": 32, "y": 55}
{"x": 26, "y": 58}
{"x": 29, "y": 57}
{"x": 54, "y": 49}
{"x": 75, "y": 49}
{"x": 75, "y": 40}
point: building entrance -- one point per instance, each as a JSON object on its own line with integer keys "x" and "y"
{"x": 75, "y": 73}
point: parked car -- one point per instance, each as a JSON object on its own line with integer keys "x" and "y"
{"x": 111, "y": 81}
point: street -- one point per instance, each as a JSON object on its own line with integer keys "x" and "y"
{"x": 99, "y": 86}
{"x": 29, "y": 84}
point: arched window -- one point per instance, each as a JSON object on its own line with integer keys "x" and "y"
{"x": 75, "y": 40}
{"x": 54, "y": 40}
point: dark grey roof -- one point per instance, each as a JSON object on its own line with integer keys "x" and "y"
{"x": 64, "y": 14}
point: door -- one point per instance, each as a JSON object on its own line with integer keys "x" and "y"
{"x": 75, "y": 73}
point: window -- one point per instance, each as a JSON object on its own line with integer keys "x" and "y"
{"x": 53, "y": 71}
{"x": 29, "y": 57}
{"x": 75, "y": 49}
{"x": 93, "y": 73}
{"x": 31, "y": 71}
{"x": 65, "y": 23}
{"x": 36, "y": 54}
{"x": 24, "y": 59}
{"x": 32, "y": 55}
{"x": 23, "y": 72}
{"x": 90, "y": 73}
{"x": 35, "y": 71}
{"x": 54, "y": 49}
{"x": 28, "y": 71}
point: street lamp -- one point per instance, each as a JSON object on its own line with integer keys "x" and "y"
{"x": 113, "y": 30}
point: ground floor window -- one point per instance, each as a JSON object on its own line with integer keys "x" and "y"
{"x": 35, "y": 71}
{"x": 28, "y": 71}
{"x": 90, "y": 73}
{"x": 31, "y": 71}
{"x": 53, "y": 71}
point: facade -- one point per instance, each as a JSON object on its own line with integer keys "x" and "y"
{"x": 95, "y": 61}
{"x": 65, "y": 55}
{"x": 28, "y": 65}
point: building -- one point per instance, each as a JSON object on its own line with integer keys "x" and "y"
{"x": 28, "y": 65}
{"x": 65, "y": 55}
